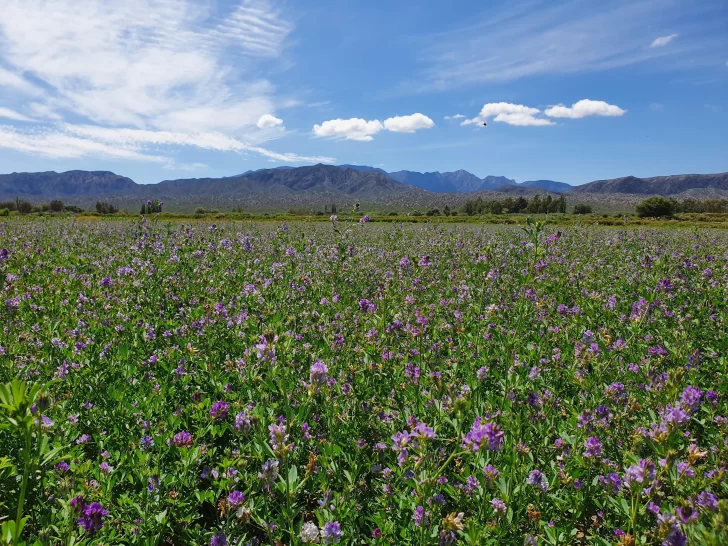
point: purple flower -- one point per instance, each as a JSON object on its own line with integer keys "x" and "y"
{"x": 317, "y": 376}
{"x": 92, "y": 518}
{"x": 707, "y": 501}
{"x": 499, "y": 507}
{"x": 331, "y": 532}
{"x": 62, "y": 467}
{"x": 146, "y": 443}
{"x": 592, "y": 447}
{"x": 691, "y": 397}
{"x": 687, "y": 514}
{"x": 364, "y": 219}
{"x": 242, "y": 422}
{"x": 537, "y": 479}
{"x": 401, "y": 442}
{"x": 219, "y": 410}
{"x": 183, "y": 439}
{"x": 612, "y": 483}
{"x": 106, "y": 468}
{"x": 640, "y": 472}
{"x": 269, "y": 473}
{"x": 236, "y": 498}
{"x": 420, "y": 517}
{"x": 488, "y": 435}
{"x": 219, "y": 539}
{"x": 491, "y": 474}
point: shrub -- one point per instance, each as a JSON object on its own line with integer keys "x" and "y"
{"x": 56, "y": 205}
{"x": 656, "y": 207}
{"x": 5, "y": 212}
{"x": 582, "y": 209}
{"x": 105, "y": 208}
{"x": 24, "y": 207}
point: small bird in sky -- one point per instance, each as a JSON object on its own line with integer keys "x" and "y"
{"x": 484, "y": 124}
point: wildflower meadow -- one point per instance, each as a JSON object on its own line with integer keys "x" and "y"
{"x": 362, "y": 384}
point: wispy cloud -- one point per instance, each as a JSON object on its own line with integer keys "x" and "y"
{"x": 663, "y": 40}
{"x": 158, "y": 66}
{"x": 7, "y": 113}
{"x": 543, "y": 37}
{"x": 456, "y": 116}
{"x": 76, "y": 141}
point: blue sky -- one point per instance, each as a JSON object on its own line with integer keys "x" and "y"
{"x": 571, "y": 91}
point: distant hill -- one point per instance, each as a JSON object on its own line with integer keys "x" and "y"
{"x": 50, "y": 184}
{"x": 658, "y": 185}
{"x": 315, "y": 187}
{"x": 549, "y": 185}
{"x": 450, "y": 182}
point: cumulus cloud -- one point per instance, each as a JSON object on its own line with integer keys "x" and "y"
{"x": 408, "y": 124}
{"x": 512, "y": 114}
{"x": 268, "y": 121}
{"x": 456, "y": 116}
{"x": 663, "y": 40}
{"x": 364, "y": 131}
{"x": 349, "y": 129}
{"x": 12, "y": 114}
{"x": 584, "y": 108}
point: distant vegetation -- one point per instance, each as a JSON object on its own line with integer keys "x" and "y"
{"x": 582, "y": 209}
{"x": 534, "y": 205}
{"x": 105, "y": 208}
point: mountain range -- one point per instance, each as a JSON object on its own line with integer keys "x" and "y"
{"x": 319, "y": 185}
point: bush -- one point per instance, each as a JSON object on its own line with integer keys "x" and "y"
{"x": 582, "y": 209}
{"x": 56, "y": 205}
{"x": 656, "y": 207}
{"x": 72, "y": 208}
{"x": 5, "y": 212}
{"x": 105, "y": 208}
{"x": 24, "y": 207}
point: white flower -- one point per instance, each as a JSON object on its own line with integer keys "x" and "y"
{"x": 309, "y": 533}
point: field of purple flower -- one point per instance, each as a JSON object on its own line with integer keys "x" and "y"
{"x": 356, "y": 383}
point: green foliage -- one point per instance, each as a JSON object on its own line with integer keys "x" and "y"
{"x": 105, "y": 208}
{"x": 582, "y": 209}
{"x": 56, "y": 205}
{"x": 656, "y": 207}
{"x": 536, "y": 205}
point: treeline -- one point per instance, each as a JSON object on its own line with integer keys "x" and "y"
{"x": 23, "y": 206}
{"x": 510, "y": 205}
{"x": 657, "y": 207}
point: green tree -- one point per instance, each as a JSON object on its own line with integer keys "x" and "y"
{"x": 582, "y": 209}
{"x": 56, "y": 205}
{"x": 656, "y": 207}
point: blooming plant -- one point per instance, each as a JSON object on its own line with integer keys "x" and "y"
{"x": 363, "y": 384}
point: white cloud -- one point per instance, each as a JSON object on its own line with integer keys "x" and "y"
{"x": 525, "y": 39}
{"x": 584, "y": 108}
{"x": 408, "y": 124}
{"x": 349, "y": 129}
{"x": 512, "y": 114}
{"x": 17, "y": 82}
{"x": 12, "y": 114}
{"x": 364, "y": 131}
{"x": 456, "y": 116}
{"x": 77, "y": 141}
{"x": 663, "y": 40}
{"x": 61, "y": 145}
{"x": 139, "y": 138}
{"x": 163, "y": 67}
{"x": 268, "y": 121}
